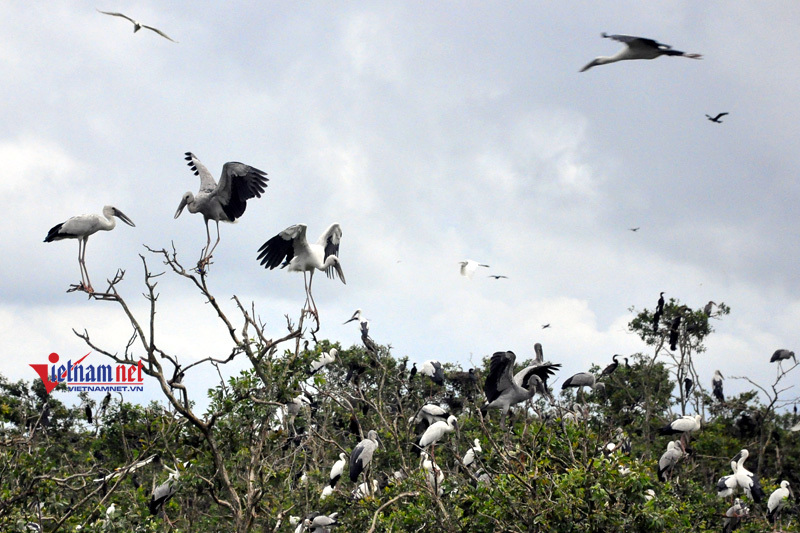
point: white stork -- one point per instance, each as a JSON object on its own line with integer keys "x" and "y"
{"x": 684, "y": 424}
{"x": 746, "y": 480}
{"x": 670, "y": 458}
{"x": 324, "y": 359}
{"x": 432, "y": 369}
{"x": 81, "y": 227}
{"x": 726, "y": 485}
{"x": 777, "y": 500}
{"x": 337, "y": 469}
{"x": 637, "y": 48}
{"x": 468, "y": 267}
{"x": 291, "y": 248}
{"x": 138, "y": 25}
{"x": 225, "y": 201}
{"x": 437, "y": 430}
{"x": 362, "y": 454}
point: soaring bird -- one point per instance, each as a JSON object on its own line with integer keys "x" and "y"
{"x": 777, "y": 500}
{"x": 468, "y": 267}
{"x": 337, "y": 469}
{"x": 291, "y": 248}
{"x": 637, "y": 48}
{"x": 137, "y": 25}
{"x": 716, "y": 385}
{"x": 670, "y": 458}
{"x": 497, "y": 276}
{"x": 225, "y": 201}
{"x": 81, "y": 227}
{"x": 504, "y": 390}
{"x": 717, "y": 118}
{"x": 361, "y": 455}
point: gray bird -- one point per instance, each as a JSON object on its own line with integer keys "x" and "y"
{"x": 362, "y": 454}
{"x": 669, "y": 459}
{"x": 504, "y": 390}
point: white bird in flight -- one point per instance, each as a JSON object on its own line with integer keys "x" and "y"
{"x": 468, "y": 267}
{"x": 138, "y": 25}
{"x": 637, "y": 48}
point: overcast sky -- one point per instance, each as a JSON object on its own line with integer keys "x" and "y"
{"x": 432, "y": 132}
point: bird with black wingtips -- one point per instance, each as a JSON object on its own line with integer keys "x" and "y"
{"x": 716, "y": 386}
{"x": 782, "y": 355}
{"x": 746, "y": 480}
{"x": 81, "y": 227}
{"x": 716, "y": 118}
{"x": 669, "y": 459}
{"x": 337, "y": 469}
{"x": 504, "y": 390}
{"x": 471, "y": 454}
{"x": 432, "y": 369}
{"x": 468, "y": 267}
{"x": 582, "y": 379}
{"x": 637, "y": 48}
{"x": 225, "y": 201}
{"x": 684, "y": 424}
{"x": 323, "y": 360}
{"x": 361, "y": 455}
{"x": 291, "y": 249}
{"x": 163, "y": 492}
{"x": 138, "y": 25}
{"x": 437, "y": 431}
{"x": 428, "y": 414}
{"x": 777, "y": 501}
{"x": 726, "y": 485}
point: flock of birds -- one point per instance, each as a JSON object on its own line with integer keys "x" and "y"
{"x": 226, "y": 201}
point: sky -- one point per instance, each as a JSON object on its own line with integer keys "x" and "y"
{"x": 432, "y": 132}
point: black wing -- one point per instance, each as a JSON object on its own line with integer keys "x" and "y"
{"x": 499, "y": 376}
{"x": 542, "y": 371}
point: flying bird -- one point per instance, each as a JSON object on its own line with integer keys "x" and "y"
{"x": 545, "y": 326}
{"x": 137, "y": 25}
{"x": 637, "y": 48}
{"x": 717, "y": 118}
{"x": 81, "y": 227}
{"x": 634, "y": 229}
{"x": 468, "y": 267}
{"x": 225, "y": 201}
{"x": 291, "y": 248}
{"x": 497, "y": 276}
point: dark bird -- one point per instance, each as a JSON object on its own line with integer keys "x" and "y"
{"x": 687, "y": 386}
{"x": 716, "y": 385}
{"x": 87, "y": 409}
{"x": 717, "y": 118}
{"x": 634, "y": 229}
{"x": 545, "y": 326}
{"x": 497, "y": 276}
{"x": 607, "y": 371}
{"x": 659, "y": 311}
{"x": 708, "y": 307}
{"x": 673, "y": 333}
{"x": 782, "y": 355}
{"x": 225, "y": 201}
{"x": 637, "y": 48}
{"x": 81, "y": 227}
{"x": 137, "y": 25}
{"x": 105, "y": 402}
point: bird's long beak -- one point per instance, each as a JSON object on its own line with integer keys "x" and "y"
{"x": 119, "y": 214}
{"x": 180, "y": 208}
{"x": 339, "y": 271}
{"x": 590, "y": 65}
{"x": 353, "y": 318}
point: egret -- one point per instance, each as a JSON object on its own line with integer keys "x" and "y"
{"x": 225, "y": 201}
{"x": 325, "y": 359}
{"x": 734, "y": 515}
{"x": 670, "y": 458}
{"x": 607, "y": 371}
{"x": 717, "y": 120}
{"x": 291, "y": 248}
{"x": 503, "y": 390}
{"x": 776, "y": 502}
{"x": 637, "y": 48}
{"x": 432, "y": 369}
{"x": 111, "y": 510}
{"x": 746, "y": 480}
{"x": 362, "y": 454}
{"x": 337, "y": 469}
{"x": 469, "y": 457}
{"x": 137, "y": 25}
{"x": 468, "y": 267}
{"x": 716, "y": 385}
{"x": 81, "y": 227}
{"x": 437, "y": 430}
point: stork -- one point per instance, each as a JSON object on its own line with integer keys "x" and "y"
{"x": 684, "y": 424}
{"x": 432, "y": 369}
{"x": 437, "y": 431}
{"x": 716, "y": 385}
{"x": 726, "y": 485}
{"x": 670, "y": 458}
{"x": 468, "y": 267}
{"x": 637, "y": 48}
{"x": 504, "y": 390}
{"x": 320, "y": 522}
{"x": 734, "y": 515}
{"x": 362, "y": 454}
{"x": 776, "y": 502}
{"x": 746, "y": 480}
{"x": 469, "y": 457}
{"x": 291, "y": 248}
{"x": 582, "y": 379}
{"x": 429, "y": 413}
{"x": 138, "y": 25}
{"x": 81, "y": 227}
{"x": 433, "y": 474}
{"x": 325, "y": 359}
{"x": 337, "y": 469}
{"x": 780, "y": 356}
{"x": 225, "y": 201}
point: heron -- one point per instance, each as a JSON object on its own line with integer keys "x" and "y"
{"x": 746, "y": 480}
{"x": 716, "y": 385}
{"x": 607, "y": 371}
{"x": 225, "y": 201}
{"x": 468, "y": 267}
{"x": 291, "y": 248}
{"x": 337, "y": 469}
{"x": 637, "y": 48}
{"x": 362, "y": 454}
{"x": 81, "y": 227}
{"x": 324, "y": 359}
{"x": 776, "y": 502}
{"x": 162, "y": 493}
{"x": 716, "y": 118}
{"x": 504, "y": 390}
{"x": 137, "y": 25}
{"x": 670, "y": 458}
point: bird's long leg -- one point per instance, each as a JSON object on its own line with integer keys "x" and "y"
{"x": 203, "y": 255}
{"x": 208, "y": 255}
{"x": 89, "y": 288}
{"x": 80, "y": 263}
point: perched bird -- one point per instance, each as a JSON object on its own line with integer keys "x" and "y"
{"x": 708, "y": 307}
{"x": 87, "y": 409}
{"x": 684, "y": 424}
{"x": 468, "y": 267}
{"x": 716, "y": 118}
{"x": 137, "y": 25}
{"x": 687, "y": 386}
{"x": 746, "y": 480}
{"x": 734, "y": 515}
{"x": 659, "y": 311}
{"x": 673, "y": 333}
{"x": 362, "y": 455}
{"x": 437, "y": 431}
{"x": 670, "y": 458}
{"x": 320, "y": 522}
{"x": 716, "y": 385}
{"x": 469, "y": 457}
{"x": 337, "y": 469}
{"x": 726, "y": 485}
{"x": 291, "y": 248}
{"x": 365, "y": 489}
{"x": 433, "y": 474}
{"x": 225, "y": 201}
{"x": 582, "y": 379}
{"x": 607, "y": 371}
{"x": 637, "y": 48}
{"x": 782, "y": 355}
{"x": 504, "y": 390}
{"x": 430, "y": 414}
{"x": 777, "y": 500}
{"x": 432, "y": 369}
{"x": 81, "y": 227}
{"x": 327, "y": 490}
{"x": 325, "y": 358}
